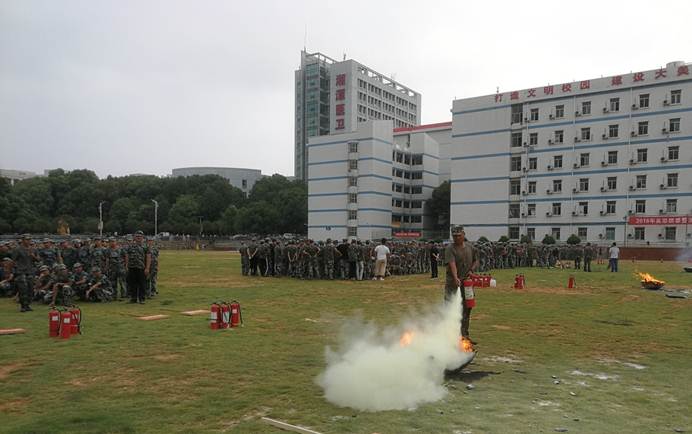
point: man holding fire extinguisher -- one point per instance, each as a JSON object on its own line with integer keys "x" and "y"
{"x": 461, "y": 258}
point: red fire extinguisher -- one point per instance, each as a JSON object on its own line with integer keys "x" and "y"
{"x": 571, "y": 283}
{"x": 469, "y": 296}
{"x": 225, "y": 315}
{"x": 76, "y": 320}
{"x": 236, "y": 314}
{"x": 215, "y": 316}
{"x": 65, "y": 324}
{"x": 53, "y": 322}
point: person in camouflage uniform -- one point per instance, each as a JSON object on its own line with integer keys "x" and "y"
{"x": 99, "y": 255}
{"x": 138, "y": 264}
{"x": 43, "y": 283}
{"x": 329, "y": 255}
{"x": 23, "y": 257}
{"x": 99, "y": 287}
{"x": 68, "y": 253}
{"x": 79, "y": 281}
{"x": 49, "y": 254}
{"x": 588, "y": 257}
{"x": 152, "y": 279}
{"x": 115, "y": 270}
{"x": 244, "y": 259}
{"x": 62, "y": 287}
{"x": 253, "y": 249}
{"x": 84, "y": 253}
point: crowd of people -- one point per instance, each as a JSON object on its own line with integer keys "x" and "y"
{"x": 499, "y": 255}
{"x": 62, "y": 271}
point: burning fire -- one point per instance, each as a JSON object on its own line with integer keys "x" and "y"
{"x": 648, "y": 278}
{"x": 465, "y": 345}
{"x": 406, "y": 339}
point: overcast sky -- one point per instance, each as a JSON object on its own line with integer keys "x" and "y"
{"x": 145, "y": 86}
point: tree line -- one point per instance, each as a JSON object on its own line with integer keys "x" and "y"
{"x": 186, "y": 205}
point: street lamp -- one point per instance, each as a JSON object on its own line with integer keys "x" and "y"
{"x": 156, "y": 217}
{"x": 101, "y": 218}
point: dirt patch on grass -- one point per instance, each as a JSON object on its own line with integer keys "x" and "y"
{"x": 565, "y": 291}
{"x": 501, "y": 327}
{"x": 254, "y": 414}
{"x": 6, "y": 370}
{"x": 14, "y": 405}
{"x": 166, "y": 357}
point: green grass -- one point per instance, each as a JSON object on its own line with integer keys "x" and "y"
{"x": 175, "y": 375}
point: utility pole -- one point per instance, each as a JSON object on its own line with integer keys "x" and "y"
{"x": 101, "y": 218}
{"x": 156, "y": 217}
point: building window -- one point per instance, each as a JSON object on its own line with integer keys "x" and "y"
{"x": 532, "y": 187}
{"x": 352, "y": 146}
{"x": 644, "y": 100}
{"x": 672, "y": 180}
{"x": 670, "y": 233}
{"x": 584, "y": 159}
{"x": 641, "y": 181}
{"x": 353, "y": 197}
{"x": 614, "y": 104}
{"x": 516, "y": 140}
{"x": 559, "y": 111}
{"x": 581, "y": 233}
{"x": 417, "y": 189}
{"x": 353, "y": 215}
{"x": 353, "y": 164}
{"x": 583, "y": 184}
{"x": 407, "y": 189}
{"x": 586, "y": 107}
{"x": 613, "y": 130}
{"x": 398, "y": 188}
{"x": 640, "y": 206}
{"x": 515, "y": 164}
{"x": 534, "y": 114}
{"x": 416, "y": 204}
{"x": 610, "y": 233}
{"x": 513, "y": 233}
{"x": 514, "y": 187}
{"x": 559, "y": 136}
{"x": 586, "y": 133}
{"x": 417, "y": 159}
{"x": 557, "y": 208}
{"x": 514, "y": 210}
{"x": 244, "y": 183}
{"x": 612, "y": 183}
{"x": 556, "y": 233}
{"x": 610, "y": 207}
{"x": 397, "y": 203}
{"x": 416, "y": 219}
{"x": 352, "y": 231}
{"x": 407, "y": 204}
{"x": 533, "y": 139}
{"x": 673, "y": 152}
{"x": 639, "y": 233}
{"x": 612, "y": 157}
{"x": 643, "y": 128}
{"x": 642, "y": 155}
{"x": 353, "y": 181}
{"x": 583, "y": 208}
{"x": 396, "y": 218}
{"x": 417, "y": 174}
{"x": 533, "y": 163}
{"x": 557, "y": 161}
{"x": 671, "y": 205}
{"x": 531, "y": 233}
{"x": 531, "y": 209}
{"x": 674, "y": 125}
{"x": 557, "y": 185}
{"x": 675, "y": 96}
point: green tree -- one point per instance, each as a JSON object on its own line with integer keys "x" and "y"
{"x": 184, "y": 215}
{"x": 439, "y": 203}
{"x": 573, "y": 240}
{"x": 503, "y": 239}
{"x": 548, "y": 239}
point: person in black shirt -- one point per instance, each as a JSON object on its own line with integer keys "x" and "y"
{"x": 434, "y": 259}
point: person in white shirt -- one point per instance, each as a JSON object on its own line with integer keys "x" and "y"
{"x": 381, "y": 256}
{"x": 614, "y": 255}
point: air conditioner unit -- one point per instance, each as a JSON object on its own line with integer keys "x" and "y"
{"x": 664, "y": 160}
{"x": 574, "y": 190}
{"x": 525, "y": 144}
{"x": 575, "y": 165}
{"x": 629, "y": 235}
{"x": 664, "y": 130}
{"x": 603, "y": 189}
{"x": 605, "y": 110}
{"x": 523, "y": 214}
{"x": 550, "y": 141}
{"x": 527, "y": 120}
{"x": 577, "y": 114}
{"x": 633, "y": 134}
{"x": 524, "y": 169}
{"x": 604, "y": 136}
{"x": 577, "y": 140}
{"x": 660, "y": 235}
{"x": 630, "y": 212}
{"x": 600, "y": 235}
{"x": 548, "y": 192}
{"x": 548, "y": 214}
{"x": 551, "y": 116}
{"x": 665, "y": 102}
{"x": 574, "y": 213}
{"x": 633, "y": 161}
{"x": 550, "y": 167}
{"x": 632, "y": 188}
{"x": 604, "y": 163}
{"x": 602, "y": 212}
{"x": 663, "y": 186}
{"x": 523, "y": 193}
{"x": 635, "y": 107}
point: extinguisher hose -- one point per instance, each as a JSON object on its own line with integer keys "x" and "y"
{"x": 79, "y": 323}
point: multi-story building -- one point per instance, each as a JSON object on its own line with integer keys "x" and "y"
{"x": 373, "y": 182}
{"x": 17, "y": 175}
{"x": 334, "y": 97}
{"x": 243, "y": 179}
{"x": 607, "y": 159}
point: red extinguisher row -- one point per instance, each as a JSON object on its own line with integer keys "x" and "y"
{"x": 64, "y": 322}
{"x": 225, "y": 314}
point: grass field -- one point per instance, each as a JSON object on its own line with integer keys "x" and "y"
{"x": 622, "y": 355}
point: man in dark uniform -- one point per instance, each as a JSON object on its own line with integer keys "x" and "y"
{"x": 461, "y": 258}
{"x": 137, "y": 263}
{"x": 434, "y": 259}
{"x": 23, "y": 257}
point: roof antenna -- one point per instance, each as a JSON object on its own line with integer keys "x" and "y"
{"x": 344, "y": 56}
{"x": 305, "y": 39}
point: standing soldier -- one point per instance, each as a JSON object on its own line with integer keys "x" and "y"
{"x": 588, "y": 257}
{"x": 68, "y": 252}
{"x": 434, "y": 259}
{"x": 291, "y": 253}
{"x": 252, "y": 256}
{"x": 98, "y": 255}
{"x": 84, "y": 253}
{"x": 138, "y": 264}
{"x": 23, "y": 257}
{"x": 343, "y": 259}
{"x": 244, "y": 259}
{"x": 154, "y": 269}
{"x": 114, "y": 266}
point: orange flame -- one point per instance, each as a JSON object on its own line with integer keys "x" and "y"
{"x": 465, "y": 345}
{"x": 406, "y": 339}
{"x": 648, "y": 278}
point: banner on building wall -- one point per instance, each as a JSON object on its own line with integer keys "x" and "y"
{"x": 659, "y": 220}
{"x": 407, "y": 234}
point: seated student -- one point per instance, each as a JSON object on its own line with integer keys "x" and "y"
{"x": 80, "y": 281}
{"x": 7, "y": 288}
{"x": 43, "y": 283}
{"x": 99, "y": 287}
{"x": 62, "y": 287}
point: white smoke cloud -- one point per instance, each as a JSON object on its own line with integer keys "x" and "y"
{"x": 373, "y": 371}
